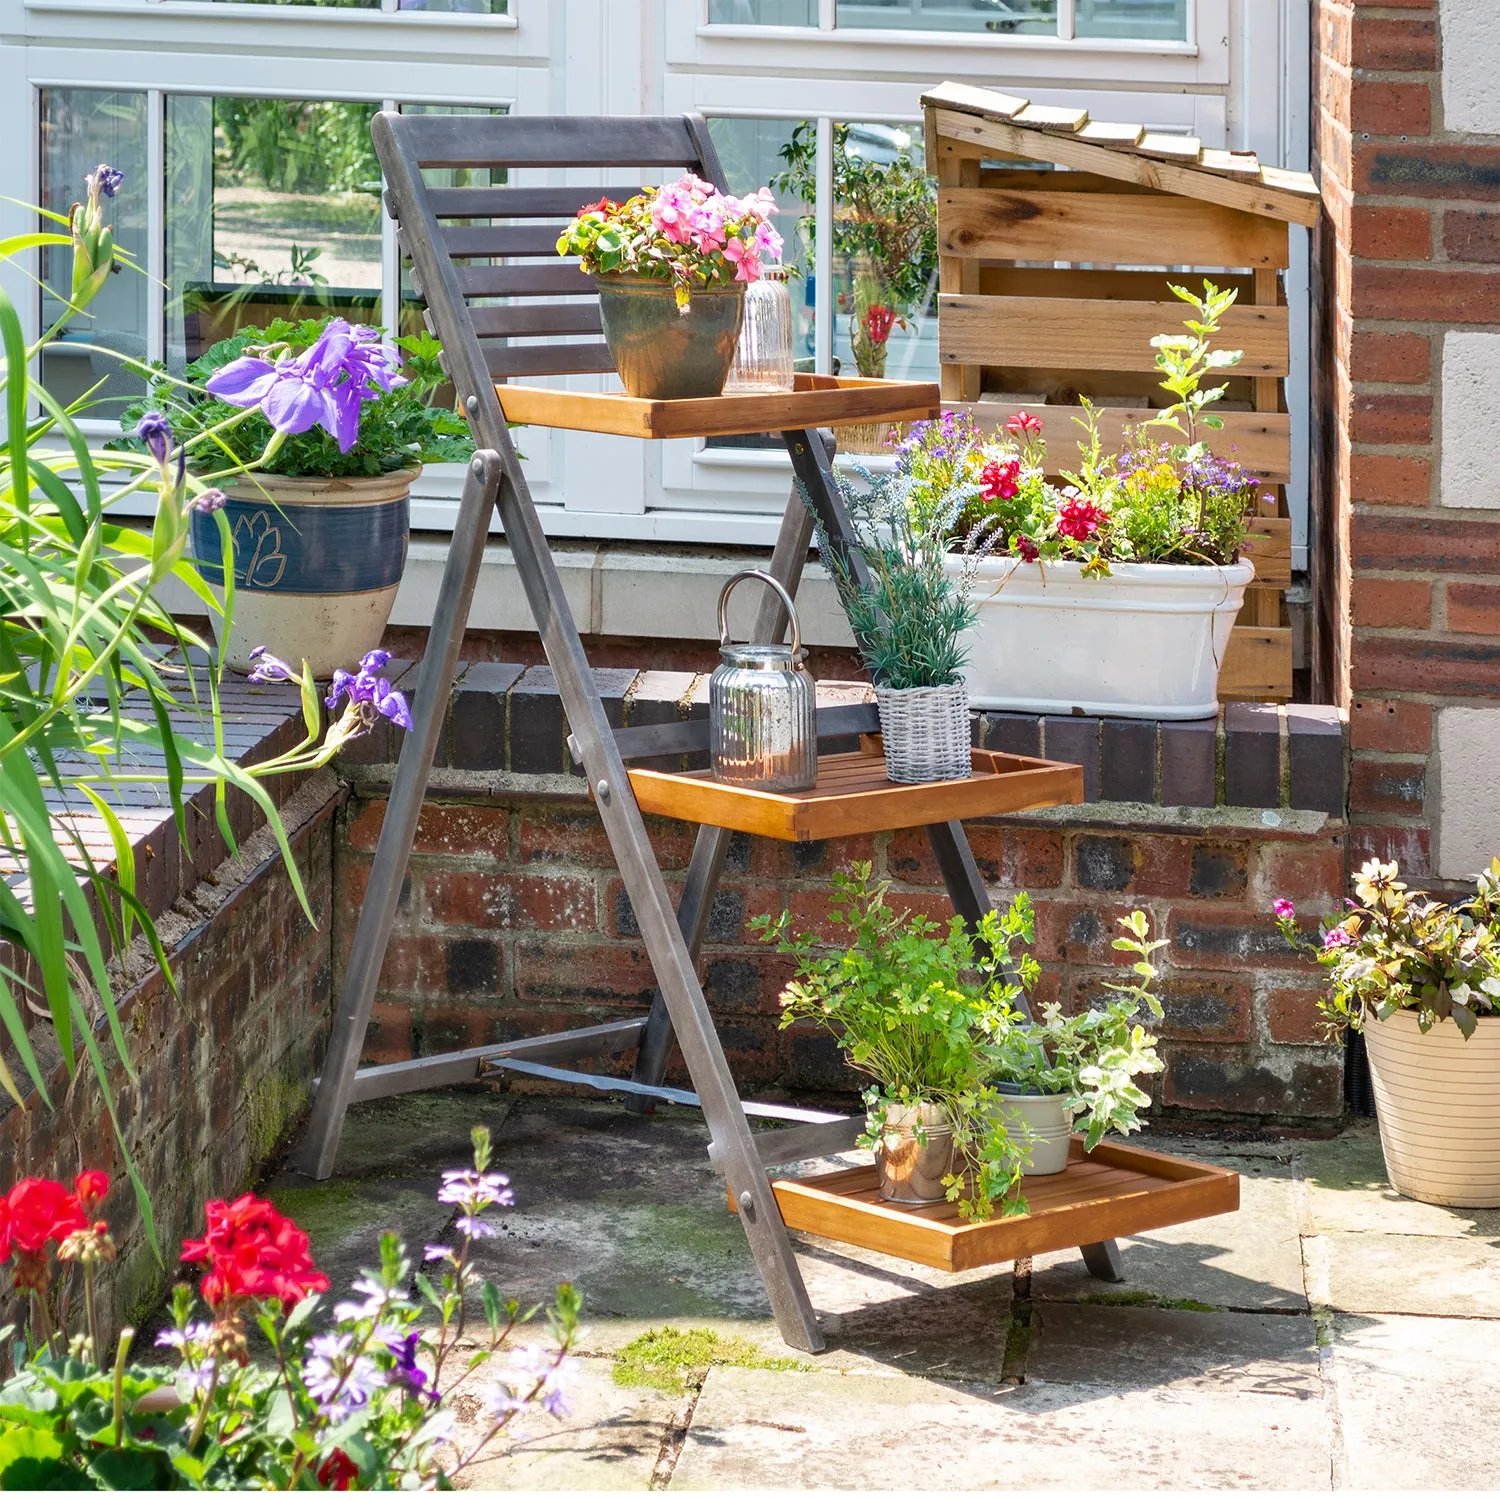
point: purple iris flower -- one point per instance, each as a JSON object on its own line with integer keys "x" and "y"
{"x": 104, "y": 179}
{"x": 365, "y": 688}
{"x": 324, "y": 386}
{"x": 269, "y": 668}
{"x": 156, "y": 433}
{"x": 209, "y": 501}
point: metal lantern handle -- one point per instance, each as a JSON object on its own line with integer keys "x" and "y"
{"x": 786, "y": 599}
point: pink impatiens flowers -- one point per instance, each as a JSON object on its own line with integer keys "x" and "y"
{"x": 693, "y": 212}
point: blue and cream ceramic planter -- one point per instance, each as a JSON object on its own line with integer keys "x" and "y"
{"x": 317, "y": 563}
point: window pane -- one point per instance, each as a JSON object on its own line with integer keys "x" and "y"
{"x": 273, "y": 210}
{"x": 1005, "y": 17}
{"x": 763, "y": 12}
{"x": 471, "y": 7}
{"x": 80, "y": 128}
{"x": 884, "y": 252}
{"x": 340, "y": 4}
{"x": 1164, "y": 20}
{"x": 751, "y": 152}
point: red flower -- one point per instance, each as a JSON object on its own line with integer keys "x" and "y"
{"x": 40, "y": 1210}
{"x": 1080, "y": 519}
{"x": 337, "y": 1470}
{"x": 92, "y": 1189}
{"x": 878, "y": 324}
{"x": 1024, "y": 425}
{"x": 1000, "y": 481}
{"x": 253, "y": 1251}
{"x": 602, "y": 207}
{"x": 1026, "y": 549}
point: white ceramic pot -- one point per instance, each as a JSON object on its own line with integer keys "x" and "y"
{"x": 1146, "y": 642}
{"x": 1437, "y": 1098}
{"x": 909, "y": 1169}
{"x": 317, "y": 565}
{"x": 1043, "y": 1123}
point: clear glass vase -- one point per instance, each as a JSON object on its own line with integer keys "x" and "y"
{"x": 763, "y": 358}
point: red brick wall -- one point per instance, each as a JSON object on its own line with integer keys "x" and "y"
{"x": 514, "y": 921}
{"x": 1409, "y": 603}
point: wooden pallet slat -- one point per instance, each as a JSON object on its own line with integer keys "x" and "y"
{"x": 1085, "y": 334}
{"x": 1178, "y": 148}
{"x": 1257, "y": 664}
{"x": 1103, "y": 133}
{"x": 1104, "y": 228}
{"x": 1048, "y": 117}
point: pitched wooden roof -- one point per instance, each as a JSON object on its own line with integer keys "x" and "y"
{"x": 1170, "y": 163}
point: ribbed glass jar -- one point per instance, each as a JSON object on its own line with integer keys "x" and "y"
{"x": 763, "y": 358}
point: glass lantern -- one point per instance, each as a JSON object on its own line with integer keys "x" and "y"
{"x": 763, "y": 358}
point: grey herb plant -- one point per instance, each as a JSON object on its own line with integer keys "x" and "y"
{"x": 908, "y": 611}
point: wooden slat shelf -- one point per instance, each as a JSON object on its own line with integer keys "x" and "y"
{"x": 853, "y": 796}
{"x": 1113, "y": 1191}
{"x": 815, "y": 401}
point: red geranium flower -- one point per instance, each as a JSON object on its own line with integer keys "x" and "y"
{"x": 337, "y": 1471}
{"x": 1024, "y": 425}
{"x": 41, "y": 1210}
{"x": 1026, "y": 549}
{"x": 1080, "y": 519}
{"x": 878, "y": 324}
{"x": 92, "y": 1188}
{"x": 253, "y": 1251}
{"x": 1000, "y": 481}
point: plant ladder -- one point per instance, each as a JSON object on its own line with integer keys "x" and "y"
{"x": 406, "y": 145}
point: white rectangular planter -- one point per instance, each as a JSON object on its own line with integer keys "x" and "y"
{"x": 1146, "y": 642}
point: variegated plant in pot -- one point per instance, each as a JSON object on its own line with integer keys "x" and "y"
{"x": 1420, "y": 977}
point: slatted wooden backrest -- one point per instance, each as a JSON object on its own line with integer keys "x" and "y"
{"x": 501, "y": 241}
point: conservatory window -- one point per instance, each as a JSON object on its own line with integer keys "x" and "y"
{"x": 1124, "y": 20}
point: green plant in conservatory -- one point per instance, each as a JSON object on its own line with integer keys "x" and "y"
{"x": 884, "y": 226}
{"x": 87, "y": 692}
{"x": 922, "y": 1009}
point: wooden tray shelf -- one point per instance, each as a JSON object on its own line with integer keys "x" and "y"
{"x": 853, "y": 796}
{"x": 1115, "y": 1190}
{"x": 814, "y": 401}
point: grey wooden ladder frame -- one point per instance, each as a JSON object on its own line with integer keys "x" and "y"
{"x": 672, "y": 938}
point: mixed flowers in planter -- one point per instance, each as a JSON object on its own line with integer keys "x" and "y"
{"x": 1112, "y": 589}
{"x": 258, "y": 1383}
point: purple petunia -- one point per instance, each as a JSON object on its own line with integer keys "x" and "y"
{"x": 325, "y": 386}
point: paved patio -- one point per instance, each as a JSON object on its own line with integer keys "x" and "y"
{"x": 1328, "y": 1335}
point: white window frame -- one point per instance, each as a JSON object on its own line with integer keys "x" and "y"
{"x": 641, "y": 56}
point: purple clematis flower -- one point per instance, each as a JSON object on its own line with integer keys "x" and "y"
{"x": 324, "y": 386}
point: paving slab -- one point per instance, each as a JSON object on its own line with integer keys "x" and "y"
{"x": 1249, "y": 1260}
{"x": 610, "y": 1439}
{"x": 1152, "y": 1348}
{"x": 754, "y": 1429}
{"x": 1416, "y": 1401}
{"x": 1440, "y": 1276}
{"x": 1345, "y": 1188}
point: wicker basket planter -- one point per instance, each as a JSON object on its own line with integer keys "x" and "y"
{"x": 925, "y": 731}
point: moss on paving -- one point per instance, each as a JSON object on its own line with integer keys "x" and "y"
{"x": 672, "y": 1359}
{"x": 1119, "y": 1299}
{"x": 1186, "y": 1304}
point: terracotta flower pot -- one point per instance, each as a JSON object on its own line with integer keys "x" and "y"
{"x": 664, "y": 353}
{"x": 1435, "y": 1099}
{"x": 317, "y": 565}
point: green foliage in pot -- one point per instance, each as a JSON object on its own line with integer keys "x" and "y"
{"x": 1399, "y": 949}
{"x": 1094, "y": 1057}
{"x": 920, "y": 1008}
{"x": 396, "y": 427}
{"x": 908, "y": 612}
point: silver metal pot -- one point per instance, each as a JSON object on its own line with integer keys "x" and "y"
{"x": 910, "y": 1167}
{"x": 762, "y": 707}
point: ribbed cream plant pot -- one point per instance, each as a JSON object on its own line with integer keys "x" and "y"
{"x": 1146, "y": 642}
{"x": 317, "y": 565}
{"x": 1041, "y": 1126}
{"x": 1437, "y": 1099}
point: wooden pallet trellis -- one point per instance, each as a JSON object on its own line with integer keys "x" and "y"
{"x": 1045, "y": 219}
